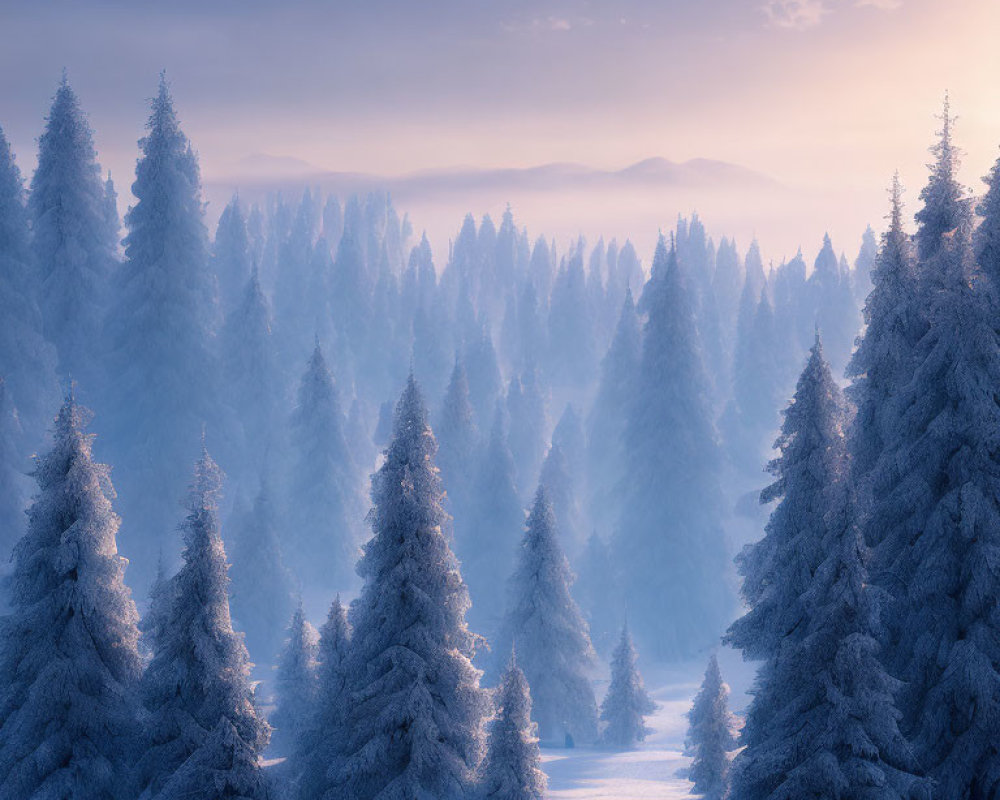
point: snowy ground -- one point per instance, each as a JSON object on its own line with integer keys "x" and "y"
{"x": 656, "y": 769}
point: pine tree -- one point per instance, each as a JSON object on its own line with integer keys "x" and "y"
{"x": 27, "y": 360}
{"x": 605, "y": 449}
{"x": 12, "y": 489}
{"x": 160, "y": 330}
{"x": 669, "y": 538}
{"x": 198, "y": 678}
{"x": 864, "y": 265}
{"x": 313, "y": 764}
{"x": 550, "y": 632}
{"x": 262, "y": 586}
{"x": 940, "y": 521}
{"x": 231, "y": 255}
{"x": 253, "y": 384}
{"x": 572, "y": 353}
{"x": 512, "y": 768}
{"x": 944, "y": 208}
{"x": 295, "y": 684}
{"x": 883, "y": 361}
{"x": 457, "y": 439}
{"x": 489, "y": 537}
{"x": 414, "y": 726}
{"x": 323, "y": 496}
{"x": 224, "y": 766}
{"x": 526, "y": 403}
{"x": 69, "y": 656}
{"x": 73, "y": 247}
{"x": 833, "y": 305}
{"x": 777, "y": 570}
{"x": 154, "y": 621}
{"x": 626, "y": 705}
{"x": 710, "y": 736}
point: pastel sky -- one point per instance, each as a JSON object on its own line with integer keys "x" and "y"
{"x": 824, "y": 95}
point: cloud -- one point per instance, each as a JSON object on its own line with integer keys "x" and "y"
{"x": 797, "y": 14}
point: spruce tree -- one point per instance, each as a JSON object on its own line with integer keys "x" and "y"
{"x": 198, "y": 679}
{"x": 669, "y": 537}
{"x": 938, "y": 512}
{"x": 160, "y": 330}
{"x": 883, "y": 362}
{"x": 833, "y": 305}
{"x": 262, "y": 585}
{"x": 512, "y": 768}
{"x": 231, "y": 254}
{"x": 322, "y": 491}
{"x": 294, "y": 684}
{"x": 606, "y": 423}
{"x": 489, "y": 537}
{"x": 626, "y": 705}
{"x": 73, "y": 247}
{"x": 550, "y": 632}
{"x": 253, "y": 384}
{"x": 414, "y": 727}
{"x": 69, "y": 656}
{"x": 944, "y": 206}
{"x": 457, "y": 439}
{"x": 710, "y": 735}
{"x": 27, "y": 360}
{"x": 12, "y": 484}
{"x": 864, "y": 265}
{"x": 314, "y": 760}
{"x": 526, "y": 403}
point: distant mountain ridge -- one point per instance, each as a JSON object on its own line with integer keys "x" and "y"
{"x": 268, "y": 173}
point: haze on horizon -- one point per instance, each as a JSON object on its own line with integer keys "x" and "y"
{"x": 824, "y": 97}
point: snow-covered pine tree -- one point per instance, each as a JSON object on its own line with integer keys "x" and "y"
{"x": 526, "y": 403}
{"x": 778, "y": 568}
{"x": 69, "y": 656}
{"x": 27, "y": 360}
{"x": 483, "y": 373}
{"x": 512, "y": 769}
{"x": 198, "y": 678}
{"x": 605, "y": 449}
{"x": 160, "y": 388}
{"x": 294, "y": 684}
{"x": 154, "y": 621}
{"x": 710, "y": 736}
{"x": 74, "y": 249}
{"x": 488, "y": 541}
{"x": 13, "y": 490}
{"x": 833, "y": 731}
{"x": 457, "y": 438}
{"x": 224, "y": 766}
{"x": 833, "y": 305}
{"x": 253, "y": 385}
{"x": 322, "y": 492}
{"x": 572, "y": 358}
{"x": 944, "y": 203}
{"x": 231, "y": 257}
{"x": 550, "y": 632}
{"x": 414, "y": 727}
{"x": 262, "y": 586}
{"x": 626, "y": 705}
{"x": 864, "y": 264}
{"x": 941, "y": 520}
{"x": 313, "y": 765}
{"x": 669, "y": 539}
{"x": 883, "y": 361}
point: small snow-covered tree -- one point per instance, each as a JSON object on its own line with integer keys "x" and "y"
{"x": 627, "y": 704}
{"x": 198, "y": 678}
{"x": 512, "y": 768}
{"x": 69, "y": 659}
{"x": 154, "y": 621}
{"x": 262, "y": 586}
{"x": 295, "y": 684}
{"x": 322, "y": 495}
{"x": 710, "y": 736}
{"x": 550, "y": 632}
{"x": 13, "y": 490}
{"x": 73, "y": 247}
{"x": 414, "y": 726}
{"x": 526, "y": 409}
{"x": 313, "y": 763}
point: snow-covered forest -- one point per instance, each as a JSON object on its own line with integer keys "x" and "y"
{"x": 299, "y": 508}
